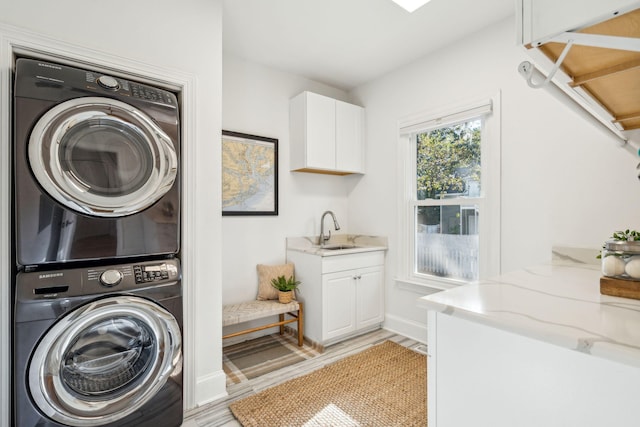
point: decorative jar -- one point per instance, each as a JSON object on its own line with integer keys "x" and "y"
{"x": 621, "y": 259}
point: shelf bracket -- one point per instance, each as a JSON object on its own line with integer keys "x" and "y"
{"x": 595, "y": 40}
{"x": 527, "y": 69}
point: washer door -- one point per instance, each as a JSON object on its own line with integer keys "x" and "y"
{"x": 102, "y": 157}
{"x": 105, "y": 360}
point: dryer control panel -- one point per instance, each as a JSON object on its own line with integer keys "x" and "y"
{"x": 45, "y": 80}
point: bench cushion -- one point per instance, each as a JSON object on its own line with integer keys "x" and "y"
{"x": 251, "y": 310}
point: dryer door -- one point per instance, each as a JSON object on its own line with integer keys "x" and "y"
{"x": 102, "y": 157}
{"x": 103, "y": 361}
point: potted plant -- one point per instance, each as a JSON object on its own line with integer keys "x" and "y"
{"x": 285, "y": 288}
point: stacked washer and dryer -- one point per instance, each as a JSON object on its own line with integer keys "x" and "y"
{"x": 97, "y": 320}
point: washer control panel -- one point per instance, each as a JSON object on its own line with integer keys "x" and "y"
{"x": 111, "y": 278}
{"x": 96, "y": 280}
{"x": 133, "y": 275}
{"x": 150, "y": 273}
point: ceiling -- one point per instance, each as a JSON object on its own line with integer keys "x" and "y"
{"x": 346, "y": 43}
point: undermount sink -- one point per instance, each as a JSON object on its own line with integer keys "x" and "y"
{"x": 338, "y": 247}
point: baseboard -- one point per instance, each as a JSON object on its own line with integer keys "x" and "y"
{"x": 408, "y": 328}
{"x": 210, "y": 388}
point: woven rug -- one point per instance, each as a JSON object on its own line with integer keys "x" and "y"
{"x": 250, "y": 359}
{"x": 385, "y": 386}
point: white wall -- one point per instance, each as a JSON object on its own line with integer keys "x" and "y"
{"x": 255, "y": 100}
{"x": 185, "y": 38}
{"x": 564, "y": 181}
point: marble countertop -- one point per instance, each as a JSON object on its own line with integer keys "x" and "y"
{"x": 559, "y": 303}
{"x": 361, "y": 243}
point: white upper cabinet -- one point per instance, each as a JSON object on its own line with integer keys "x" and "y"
{"x": 349, "y": 137}
{"x": 320, "y": 132}
{"x": 542, "y": 19}
{"x": 326, "y": 135}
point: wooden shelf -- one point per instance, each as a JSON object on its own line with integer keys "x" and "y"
{"x": 610, "y": 76}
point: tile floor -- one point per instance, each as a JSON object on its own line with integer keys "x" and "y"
{"x": 217, "y": 414}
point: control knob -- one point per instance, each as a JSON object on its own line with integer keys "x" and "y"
{"x": 108, "y": 82}
{"x": 111, "y": 278}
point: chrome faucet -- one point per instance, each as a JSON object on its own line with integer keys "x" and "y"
{"x": 324, "y": 238}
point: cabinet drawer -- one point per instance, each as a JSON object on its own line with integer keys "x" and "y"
{"x": 332, "y": 264}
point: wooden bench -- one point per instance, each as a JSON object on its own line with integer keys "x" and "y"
{"x": 233, "y": 314}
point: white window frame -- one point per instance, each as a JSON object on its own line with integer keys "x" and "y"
{"x": 489, "y": 201}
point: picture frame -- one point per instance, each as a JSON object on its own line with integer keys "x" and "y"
{"x": 249, "y": 174}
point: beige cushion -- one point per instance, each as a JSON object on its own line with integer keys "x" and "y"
{"x": 267, "y": 272}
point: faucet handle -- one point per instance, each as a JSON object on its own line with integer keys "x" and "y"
{"x": 327, "y": 237}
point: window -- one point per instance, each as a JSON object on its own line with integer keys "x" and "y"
{"x": 450, "y": 195}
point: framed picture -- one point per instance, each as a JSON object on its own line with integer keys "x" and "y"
{"x": 249, "y": 174}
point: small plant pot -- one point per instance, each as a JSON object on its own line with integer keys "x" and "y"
{"x": 285, "y": 297}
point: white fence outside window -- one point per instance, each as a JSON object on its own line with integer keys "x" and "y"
{"x": 447, "y": 255}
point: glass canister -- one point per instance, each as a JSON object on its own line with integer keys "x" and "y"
{"x": 621, "y": 259}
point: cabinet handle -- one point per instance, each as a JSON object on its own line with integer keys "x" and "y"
{"x": 357, "y": 277}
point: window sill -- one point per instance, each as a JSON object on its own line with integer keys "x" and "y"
{"x": 422, "y": 286}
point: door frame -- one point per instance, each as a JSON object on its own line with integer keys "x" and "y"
{"x": 15, "y": 41}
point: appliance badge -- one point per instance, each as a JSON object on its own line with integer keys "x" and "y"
{"x": 55, "y": 67}
{"x": 50, "y": 275}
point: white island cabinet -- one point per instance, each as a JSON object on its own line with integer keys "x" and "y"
{"x": 343, "y": 292}
{"x": 540, "y": 347}
{"x": 326, "y": 135}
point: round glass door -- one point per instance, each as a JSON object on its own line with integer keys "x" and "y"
{"x": 105, "y": 360}
{"x": 108, "y": 358}
{"x": 102, "y": 157}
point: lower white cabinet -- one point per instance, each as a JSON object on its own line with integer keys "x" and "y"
{"x": 369, "y": 297}
{"x": 338, "y": 304}
{"x": 352, "y": 300}
{"x": 343, "y": 294}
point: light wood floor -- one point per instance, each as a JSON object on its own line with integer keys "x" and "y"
{"x": 217, "y": 414}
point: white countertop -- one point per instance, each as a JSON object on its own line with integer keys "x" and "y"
{"x": 361, "y": 243}
{"x": 558, "y": 303}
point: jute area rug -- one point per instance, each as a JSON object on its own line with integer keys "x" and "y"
{"x": 252, "y": 358}
{"x": 383, "y": 386}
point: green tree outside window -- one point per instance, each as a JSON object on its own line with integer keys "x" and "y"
{"x": 448, "y": 160}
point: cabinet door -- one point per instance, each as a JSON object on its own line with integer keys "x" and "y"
{"x": 321, "y": 132}
{"x": 370, "y": 297}
{"x": 349, "y": 137}
{"x": 338, "y": 304}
